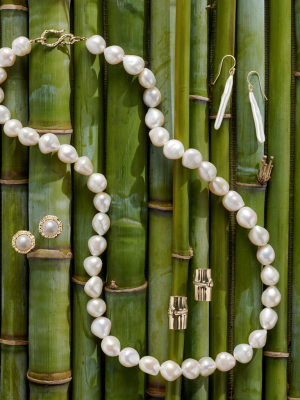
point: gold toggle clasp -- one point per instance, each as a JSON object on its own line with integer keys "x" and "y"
{"x": 60, "y": 41}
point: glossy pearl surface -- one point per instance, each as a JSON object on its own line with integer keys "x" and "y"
{"x": 97, "y": 183}
{"x": 243, "y": 353}
{"x": 133, "y": 65}
{"x": 113, "y": 54}
{"x": 96, "y": 307}
{"x": 190, "y": 368}
{"x": 23, "y": 242}
{"x": 224, "y": 100}
{"x": 246, "y": 217}
{"x": 259, "y": 236}
{"x": 269, "y": 275}
{"x": 147, "y": 78}
{"x": 225, "y": 361}
{"x": 258, "y": 338}
{"x": 149, "y": 365}
{"x": 268, "y": 318}
{"x": 101, "y": 327}
{"x": 93, "y": 286}
{"x": 50, "y": 227}
{"x": 67, "y": 154}
{"x": 192, "y": 159}
{"x": 271, "y": 297}
{"x": 170, "y": 371}
{"x": 265, "y": 254}
{"x": 21, "y": 46}
{"x": 28, "y": 136}
{"x": 207, "y": 171}
{"x": 207, "y": 366}
{"x": 101, "y": 223}
{"x": 1, "y": 95}
{"x": 219, "y": 186}
{"x": 84, "y": 166}
{"x": 95, "y": 44}
{"x": 154, "y": 118}
{"x": 111, "y": 346}
{"x": 4, "y": 114}
{"x": 233, "y": 201}
{"x": 102, "y": 201}
{"x": 12, "y": 127}
{"x": 97, "y": 245}
{"x": 159, "y": 136}
{"x": 152, "y": 97}
{"x": 92, "y": 265}
{"x": 173, "y": 149}
{"x": 7, "y": 57}
{"x": 48, "y": 143}
{"x": 3, "y": 75}
{"x": 129, "y": 357}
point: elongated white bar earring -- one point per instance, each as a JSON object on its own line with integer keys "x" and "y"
{"x": 259, "y": 126}
{"x": 227, "y": 92}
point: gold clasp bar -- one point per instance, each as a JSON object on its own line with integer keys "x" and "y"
{"x": 203, "y": 284}
{"x": 177, "y": 312}
{"x": 60, "y": 41}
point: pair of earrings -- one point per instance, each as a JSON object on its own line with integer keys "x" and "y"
{"x": 49, "y": 227}
{"x": 258, "y": 122}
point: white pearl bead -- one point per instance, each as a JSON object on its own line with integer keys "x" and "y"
{"x": 170, "y": 371}
{"x": 233, "y": 201}
{"x": 48, "y": 143}
{"x": 12, "y": 127}
{"x": 265, "y": 254}
{"x": 113, "y": 54}
{"x": 225, "y": 361}
{"x": 97, "y": 245}
{"x": 154, "y": 118}
{"x": 259, "y": 236}
{"x": 149, "y": 365}
{"x": 159, "y": 136}
{"x": 129, "y": 357}
{"x": 258, "y": 338}
{"x": 269, "y": 275}
{"x": 190, "y": 368}
{"x": 271, "y": 297}
{"x": 84, "y": 166}
{"x": 67, "y": 154}
{"x": 96, "y": 307}
{"x": 1, "y": 95}
{"x": 246, "y": 217}
{"x": 207, "y": 366}
{"x": 28, "y": 136}
{"x": 92, "y": 265}
{"x": 173, "y": 149}
{"x": 21, "y": 46}
{"x": 243, "y": 353}
{"x": 219, "y": 186}
{"x": 101, "y": 327}
{"x": 102, "y": 201}
{"x": 7, "y": 57}
{"x": 3, "y": 75}
{"x": 4, "y": 114}
{"x": 147, "y": 78}
{"x": 152, "y": 97}
{"x": 268, "y": 318}
{"x": 23, "y": 242}
{"x": 95, "y": 44}
{"x": 111, "y": 346}
{"x": 97, "y": 183}
{"x": 101, "y": 223}
{"x": 93, "y": 286}
{"x": 207, "y": 171}
{"x": 50, "y": 227}
{"x": 192, "y": 159}
{"x": 133, "y": 64}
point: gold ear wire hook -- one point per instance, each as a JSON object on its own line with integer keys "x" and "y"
{"x": 231, "y": 71}
{"x": 250, "y": 86}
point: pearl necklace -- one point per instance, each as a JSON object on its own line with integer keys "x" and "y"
{"x": 172, "y": 149}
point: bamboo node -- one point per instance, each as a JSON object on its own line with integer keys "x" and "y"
{"x": 113, "y": 285}
{"x": 276, "y": 354}
{"x": 265, "y": 170}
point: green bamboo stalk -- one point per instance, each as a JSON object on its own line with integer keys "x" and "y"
{"x": 14, "y": 168}
{"x": 278, "y": 195}
{"x": 126, "y": 172}
{"x": 219, "y": 237}
{"x": 180, "y": 181}
{"x": 197, "y": 334}
{"x": 88, "y": 129}
{"x": 49, "y": 193}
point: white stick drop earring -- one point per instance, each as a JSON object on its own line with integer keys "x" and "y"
{"x": 259, "y": 126}
{"x": 227, "y": 92}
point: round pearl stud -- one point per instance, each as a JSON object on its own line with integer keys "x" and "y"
{"x": 207, "y": 171}
{"x": 67, "y": 154}
{"x": 93, "y": 265}
{"x": 111, "y": 346}
{"x": 159, "y": 136}
{"x": 129, "y": 357}
{"x": 265, "y": 254}
{"x": 23, "y": 242}
{"x": 28, "y": 136}
{"x": 246, "y": 217}
{"x": 243, "y": 353}
{"x": 207, "y": 366}
{"x": 154, "y": 118}
{"x": 113, "y": 54}
{"x": 219, "y": 186}
{"x": 190, "y": 368}
{"x": 233, "y": 201}
{"x": 259, "y": 236}
{"x": 93, "y": 286}
{"x": 95, "y": 44}
{"x": 21, "y": 46}
{"x": 152, "y": 97}
{"x": 97, "y": 183}
{"x": 269, "y": 275}
{"x": 96, "y": 307}
{"x": 149, "y": 365}
{"x": 50, "y": 226}
{"x": 12, "y": 127}
{"x": 192, "y": 159}
{"x": 258, "y": 338}
{"x": 271, "y": 297}
{"x": 102, "y": 202}
{"x": 173, "y": 149}
{"x": 48, "y": 143}
{"x": 147, "y": 78}
{"x": 133, "y": 65}
{"x": 97, "y": 245}
{"x": 268, "y": 318}
{"x": 170, "y": 371}
{"x": 225, "y": 361}
{"x": 101, "y": 327}
{"x": 101, "y": 223}
{"x": 84, "y": 166}
{"x": 4, "y": 114}
{"x": 7, "y": 57}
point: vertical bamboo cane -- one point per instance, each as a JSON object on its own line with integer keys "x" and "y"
{"x": 14, "y": 174}
{"x": 49, "y": 193}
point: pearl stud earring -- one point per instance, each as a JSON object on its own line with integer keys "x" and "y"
{"x": 23, "y": 242}
{"x": 50, "y": 226}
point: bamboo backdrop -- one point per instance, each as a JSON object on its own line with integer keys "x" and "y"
{"x": 50, "y": 320}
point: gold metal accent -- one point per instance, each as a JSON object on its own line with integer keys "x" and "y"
{"x": 265, "y": 170}
{"x": 203, "y": 284}
{"x": 231, "y": 71}
{"x": 250, "y": 86}
{"x": 60, "y": 41}
{"x": 177, "y": 312}
{"x": 50, "y": 218}
{"x": 14, "y": 241}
